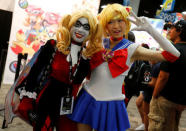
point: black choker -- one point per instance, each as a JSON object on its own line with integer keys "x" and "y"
{"x": 76, "y": 43}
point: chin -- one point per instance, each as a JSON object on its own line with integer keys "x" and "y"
{"x": 118, "y": 36}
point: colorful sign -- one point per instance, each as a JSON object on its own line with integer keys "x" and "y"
{"x": 169, "y": 17}
{"x": 168, "y": 5}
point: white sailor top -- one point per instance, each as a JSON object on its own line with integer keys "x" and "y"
{"x": 107, "y": 75}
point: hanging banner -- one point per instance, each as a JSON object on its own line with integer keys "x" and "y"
{"x": 169, "y": 17}
{"x": 168, "y": 5}
{"x": 33, "y": 23}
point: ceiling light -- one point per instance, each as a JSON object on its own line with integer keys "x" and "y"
{"x": 103, "y": 6}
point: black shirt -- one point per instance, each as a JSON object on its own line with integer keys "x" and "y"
{"x": 175, "y": 88}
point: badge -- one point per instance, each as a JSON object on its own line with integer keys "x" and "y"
{"x": 66, "y": 105}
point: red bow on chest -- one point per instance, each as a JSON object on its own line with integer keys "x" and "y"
{"x": 116, "y": 61}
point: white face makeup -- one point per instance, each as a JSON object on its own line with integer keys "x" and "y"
{"x": 80, "y": 30}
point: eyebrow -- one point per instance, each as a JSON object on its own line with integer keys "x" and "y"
{"x": 82, "y": 23}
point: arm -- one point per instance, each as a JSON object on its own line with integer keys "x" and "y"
{"x": 143, "y": 25}
{"x": 142, "y": 53}
{"x": 37, "y": 63}
{"x": 43, "y": 60}
{"x": 160, "y": 84}
{"x": 152, "y": 82}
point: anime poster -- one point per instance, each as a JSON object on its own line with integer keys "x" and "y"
{"x": 34, "y": 22}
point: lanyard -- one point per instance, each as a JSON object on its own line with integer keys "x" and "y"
{"x": 72, "y": 75}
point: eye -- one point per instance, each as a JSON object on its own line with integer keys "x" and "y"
{"x": 120, "y": 20}
{"x": 86, "y": 26}
{"x": 110, "y": 22}
{"x": 78, "y": 24}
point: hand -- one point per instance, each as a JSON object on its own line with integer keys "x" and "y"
{"x": 142, "y": 23}
{"x": 155, "y": 95}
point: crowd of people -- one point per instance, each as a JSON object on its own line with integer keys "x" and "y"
{"x": 95, "y": 53}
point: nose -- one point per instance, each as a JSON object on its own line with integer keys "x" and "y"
{"x": 169, "y": 31}
{"x": 80, "y": 29}
{"x": 116, "y": 24}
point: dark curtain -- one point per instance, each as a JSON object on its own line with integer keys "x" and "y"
{"x": 5, "y": 26}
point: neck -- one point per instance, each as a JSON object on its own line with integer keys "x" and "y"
{"x": 76, "y": 43}
{"x": 114, "y": 41}
{"x": 177, "y": 40}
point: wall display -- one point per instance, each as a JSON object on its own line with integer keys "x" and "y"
{"x": 34, "y": 23}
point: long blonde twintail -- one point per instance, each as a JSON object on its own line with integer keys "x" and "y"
{"x": 95, "y": 43}
{"x": 63, "y": 35}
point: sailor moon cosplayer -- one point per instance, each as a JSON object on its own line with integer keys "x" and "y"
{"x": 55, "y": 72}
{"x": 100, "y": 104}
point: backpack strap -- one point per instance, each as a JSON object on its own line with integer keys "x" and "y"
{"x": 139, "y": 72}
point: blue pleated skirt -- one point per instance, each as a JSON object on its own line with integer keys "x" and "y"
{"x": 100, "y": 115}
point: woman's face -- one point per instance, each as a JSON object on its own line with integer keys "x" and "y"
{"x": 116, "y": 27}
{"x": 80, "y": 30}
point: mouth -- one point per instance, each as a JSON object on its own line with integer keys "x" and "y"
{"x": 78, "y": 35}
{"x": 116, "y": 32}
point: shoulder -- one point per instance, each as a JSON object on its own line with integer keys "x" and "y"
{"x": 48, "y": 48}
{"x": 132, "y": 47}
{"x": 164, "y": 66}
{"x": 51, "y": 42}
{"x": 145, "y": 65}
{"x": 182, "y": 48}
{"x": 106, "y": 42}
{"x": 127, "y": 43}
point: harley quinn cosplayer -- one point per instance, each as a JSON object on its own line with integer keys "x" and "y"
{"x": 54, "y": 73}
{"x": 100, "y": 104}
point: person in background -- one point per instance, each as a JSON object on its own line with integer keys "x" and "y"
{"x": 145, "y": 76}
{"x": 131, "y": 36}
{"x": 169, "y": 99}
{"x": 184, "y": 15}
{"x": 128, "y": 92}
{"x": 100, "y": 104}
{"x": 167, "y": 26}
{"x": 55, "y": 74}
{"x": 149, "y": 90}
